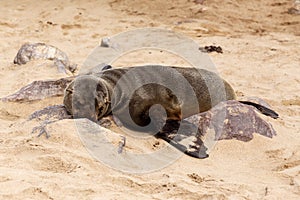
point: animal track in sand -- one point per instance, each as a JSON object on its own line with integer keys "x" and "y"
{"x": 287, "y": 165}
{"x": 55, "y": 164}
{"x": 291, "y": 102}
{"x": 8, "y": 116}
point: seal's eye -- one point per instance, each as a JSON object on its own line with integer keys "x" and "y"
{"x": 69, "y": 90}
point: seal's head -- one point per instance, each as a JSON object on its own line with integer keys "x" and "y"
{"x": 87, "y": 97}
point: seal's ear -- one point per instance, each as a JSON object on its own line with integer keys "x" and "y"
{"x": 97, "y": 69}
{"x": 68, "y": 90}
{"x": 106, "y": 67}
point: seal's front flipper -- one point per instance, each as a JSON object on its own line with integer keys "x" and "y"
{"x": 190, "y": 147}
{"x": 198, "y": 152}
{"x": 184, "y": 136}
{"x": 263, "y": 109}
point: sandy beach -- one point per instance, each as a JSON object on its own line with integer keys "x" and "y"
{"x": 261, "y": 48}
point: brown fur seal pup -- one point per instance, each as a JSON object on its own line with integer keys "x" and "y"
{"x": 117, "y": 90}
{"x": 97, "y": 90}
{"x": 145, "y": 97}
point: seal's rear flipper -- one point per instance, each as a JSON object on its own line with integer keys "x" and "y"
{"x": 264, "y": 110}
{"x": 187, "y": 138}
{"x": 194, "y": 150}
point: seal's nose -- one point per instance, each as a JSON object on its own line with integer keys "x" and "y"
{"x": 83, "y": 105}
{"x": 88, "y": 115}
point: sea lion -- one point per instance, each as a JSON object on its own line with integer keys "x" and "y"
{"x": 131, "y": 93}
{"x": 92, "y": 95}
{"x": 120, "y": 90}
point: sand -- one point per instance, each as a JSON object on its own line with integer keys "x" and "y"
{"x": 261, "y": 44}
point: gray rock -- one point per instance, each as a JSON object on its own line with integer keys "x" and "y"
{"x": 36, "y": 51}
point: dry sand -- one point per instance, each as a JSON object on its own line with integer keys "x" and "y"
{"x": 261, "y": 43}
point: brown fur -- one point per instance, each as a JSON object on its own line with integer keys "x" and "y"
{"x": 90, "y": 96}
